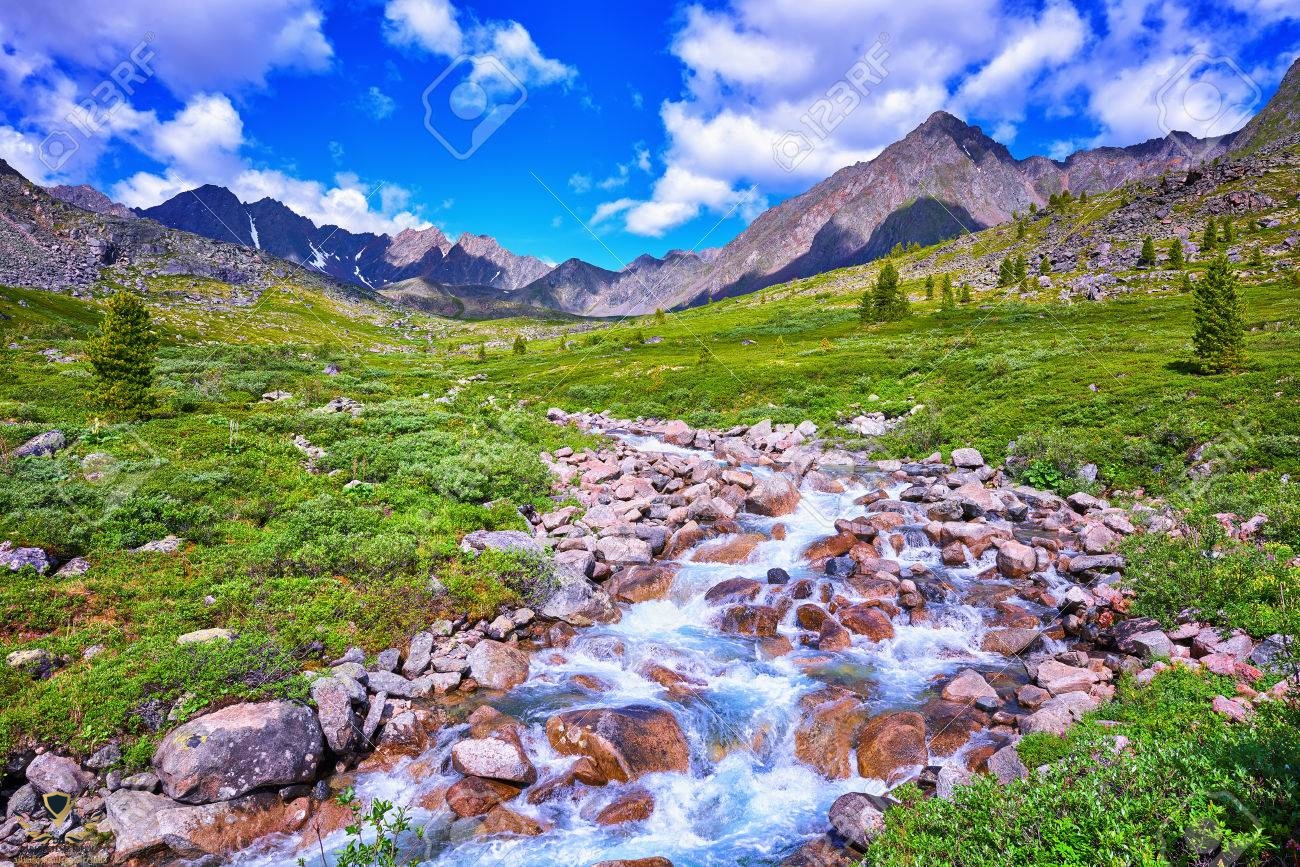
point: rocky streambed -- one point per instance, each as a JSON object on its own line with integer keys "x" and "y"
{"x": 748, "y": 641}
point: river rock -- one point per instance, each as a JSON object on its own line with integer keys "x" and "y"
{"x": 633, "y": 805}
{"x": 228, "y": 753}
{"x": 892, "y": 745}
{"x": 828, "y": 729}
{"x": 640, "y": 583}
{"x": 474, "y": 796}
{"x": 733, "y": 590}
{"x": 730, "y": 549}
{"x": 756, "y": 621}
{"x": 624, "y": 549}
{"x": 858, "y": 817}
{"x": 623, "y": 743}
{"x": 774, "y": 495}
{"x": 501, "y": 821}
{"x": 969, "y": 687}
{"x": 967, "y": 459}
{"x": 868, "y": 620}
{"x": 1008, "y": 642}
{"x": 576, "y": 601}
{"x": 144, "y": 824}
{"x": 498, "y": 758}
{"x": 496, "y": 665}
{"x": 1006, "y": 767}
{"x": 1016, "y": 559}
{"x": 418, "y": 654}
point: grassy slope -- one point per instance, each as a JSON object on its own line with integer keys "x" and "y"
{"x": 288, "y": 558}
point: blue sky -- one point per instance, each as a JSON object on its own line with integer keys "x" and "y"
{"x": 624, "y": 129}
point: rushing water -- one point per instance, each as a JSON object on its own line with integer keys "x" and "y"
{"x": 747, "y": 800}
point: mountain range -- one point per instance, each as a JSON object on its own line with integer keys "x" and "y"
{"x": 944, "y": 178}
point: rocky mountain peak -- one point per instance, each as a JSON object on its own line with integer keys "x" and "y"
{"x": 90, "y": 199}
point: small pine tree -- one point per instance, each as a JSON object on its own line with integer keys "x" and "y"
{"x": 1044, "y": 266}
{"x": 963, "y": 295}
{"x": 1006, "y": 272}
{"x": 1185, "y": 284}
{"x": 1217, "y": 312}
{"x": 1147, "y": 258}
{"x": 1256, "y": 258}
{"x": 520, "y": 345}
{"x": 1021, "y": 231}
{"x": 122, "y": 354}
{"x": 1033, "y": 208}
{"x": 1295, "y": 279}
{"x": 1083, "y": 197}
{"x": 1021, "y": 268}
{"x": 482, "y": 351}
{"x": 1209, "y": 238}
{"x": 888, "y": 301}
{"x": 946, "y": 301}
{"x": 1227, "y": 234}
{"x": 1176, "y": 254}
{"x": 659, "y": 315}
{"x": 929, "y": 287}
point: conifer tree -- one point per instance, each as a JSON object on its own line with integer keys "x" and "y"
{"x": 1006, "y": 272}
{"x": 482, "y": 351}
{"x": 1021, "y": 268}
{"x": 1209, "y": 239}
{"x": 1226, "y": 234}
{"x": 1185, "y": 285}
{"x": 888, "y": 301}
{"x": 946, "y": 301}
{"x": 1044, "y": 265}
{"x": 520, "y": 345}
{"x": 963, "y": 295}
{"x": 1147, "y": 258}
{"x": 1217, "y": 312}
{"x": 1021, "y": 231}
{"x": 929, "y": 287}
{"x": 122, "y": 354}
{"x": 1176, "y": 254}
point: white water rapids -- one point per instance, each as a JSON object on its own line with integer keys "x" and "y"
{"x": 747, "y": 799}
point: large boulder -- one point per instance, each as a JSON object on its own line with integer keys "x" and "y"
{"x": 501, "y": 540}
{"x": 891, "y": 746}
{"x": 238, "y": 749}
{"x": 474, "y": 796}
{"x": 625, "y": 549}
{"x": 969, "y": 687}
{"x": 623, "y": 743}
{"x": 41, "y": 445}
{"x": 868, "y": 620}
{"x": 148, "y": 825}
{"x": 334, "y": 712}
{"x": 13, "y": 559}
{"x": 577, "y": 601}
{"x": 858, "y": 817}
{"x": 772, "y": 495}
{"x": 50, "y": 773}
{"x": 640, "y": 583}
{"x": 1016, "y": 559}
{"x": 498, "y": 758}
{"x": 497, "y": 665}
{"x": 827, "y": 730}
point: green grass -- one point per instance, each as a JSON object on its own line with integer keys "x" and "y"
{"x": 1186, "y": 775}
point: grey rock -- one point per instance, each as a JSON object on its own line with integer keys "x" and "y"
{"x": 16, "y": 558}
{"x": 41, "y": 445}
{"x": 498, "y": 666}
{"x": 417, "y": 655}
{"x": 1006, "y": 767}
{"x": 502, "y": 540}
{"x": 50, "y": 773}
{"x": 237, "y": 749}
{"x": 335, "y": 715}
{"x": 858, "y": 817}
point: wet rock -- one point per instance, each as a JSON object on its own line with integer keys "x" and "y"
{"x": 756, "y": 621}
{"x": 144, "y": 824}
{"x": 773, "y": 496}
{"x": 891, "y": 746}
{"x": 1016, "y": 560}
{"x": 635, "y": 862}
{"x": 820, "y": 852}
{"x": 475, "y": 796}
{"x": 498, "y": 758}
{"x": 237, "y": 749}
{"x": 858, "y": 817}
{"x": 623, "y": 743}
{"x": 869, "y": 621}
{"x": 502, "y": 822}
{"x": 577, "y": 601}
{"x": 640, "y": 584}
{"x": 1008, "y": 642}
{"x": 733, "y": 590}
{"x": 633, "y": 805}
{"x": 730, "y": 549}
{"x": 679, "y": 686}
{"x": 832, "y": 637}
{"x": 830, "y": 721}
{"x": 970, "y": 687}
{"x": 951, "y": 724}
{"x": 498, "y": 666}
